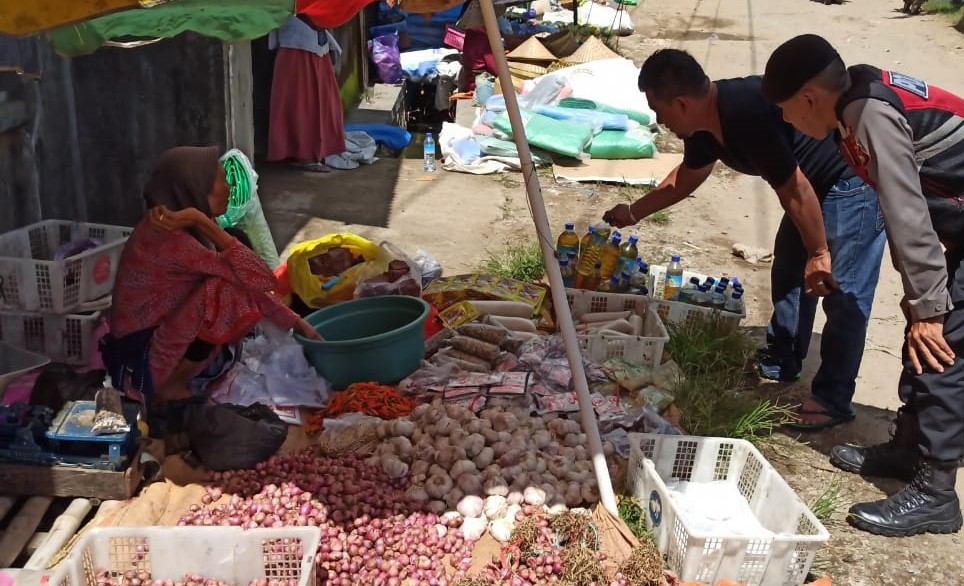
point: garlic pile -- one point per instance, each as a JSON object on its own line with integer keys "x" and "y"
{"x": 486, "y": 468}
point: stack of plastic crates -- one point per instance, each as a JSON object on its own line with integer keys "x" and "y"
{"x": 51, "y": 305}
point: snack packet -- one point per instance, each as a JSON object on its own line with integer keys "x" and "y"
{"x": 109, "y": 412}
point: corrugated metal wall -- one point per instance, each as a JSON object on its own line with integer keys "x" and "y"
{"x": 98, "y": 123}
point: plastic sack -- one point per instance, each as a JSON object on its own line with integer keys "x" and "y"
{"x": 557, "y": 136}
{"x": 614, "y": 144}
{"x": 494, "y": 147}
{"x": 244, "y": 207}
{"x": 582, "y": 104}
{"x": 600, "y": 120}
{"x": 428, "y": 266}
{"x": 231, "y": 437}
{"x": 309, "y": 287}
{"x": 273, "y": 370}
{"x": 401, "y": 275}
{"x": 387, "y": 57}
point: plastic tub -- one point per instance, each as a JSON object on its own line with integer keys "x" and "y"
{"x": 377, "y": 339}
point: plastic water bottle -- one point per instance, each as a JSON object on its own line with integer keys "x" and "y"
{"x": 624, "y": 278}
{"x": 428, "y": 153}
{"x": 674, "y": 278}
{"x": 688, "y": 290}
{"x": 735, "y": 303}
{"x": 702, "y": 296}
{"x": 587, "y": 238}
{"x": 610, "y": 286}
{"x": 639, "y": 279}
{"x": 590, "y": 254}
{"x": 567, "y": 242}
{"x": 566, "y": 270}
{"x": 718, "y": 298}
{"x": 611, "y": 258}
{"x": 629, "y": 252}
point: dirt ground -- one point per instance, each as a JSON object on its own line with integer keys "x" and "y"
{"x": 461, "y": 219}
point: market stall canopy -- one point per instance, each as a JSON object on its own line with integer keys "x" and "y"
{"x": 28, "y": 17}
{"x": 80, "y": 27}
{"x": 227, "y": 20}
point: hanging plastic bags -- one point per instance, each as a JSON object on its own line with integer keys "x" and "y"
{"x": 387, "y": 57}
{"x": 244, "y": 206}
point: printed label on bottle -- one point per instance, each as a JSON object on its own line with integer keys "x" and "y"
{"x": 674, "y": 281}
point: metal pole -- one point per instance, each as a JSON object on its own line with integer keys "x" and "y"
{"x": 544, "y": 233}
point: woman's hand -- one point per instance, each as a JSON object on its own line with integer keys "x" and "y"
{"x": 305, "y": 329}
{"x": 163, "y": 218}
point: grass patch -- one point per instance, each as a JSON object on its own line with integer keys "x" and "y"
{"x": 660, "y": 218}
{"x": 522, "y": 262}
{"x": 827, "y": 503}
{"x": 631, "y": 193}
{"x": 953, "y": 7}
{"x": 711, "y": 390}
{"x": 634, "y": 516}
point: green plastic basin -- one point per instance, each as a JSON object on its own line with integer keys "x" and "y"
{"x": 377, "y": 339}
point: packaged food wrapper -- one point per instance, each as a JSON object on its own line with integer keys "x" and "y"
{"x": 109, "y": 412}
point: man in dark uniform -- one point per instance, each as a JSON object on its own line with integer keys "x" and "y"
{"x": 729, "y": 120}
{"x": 906, "y": 138}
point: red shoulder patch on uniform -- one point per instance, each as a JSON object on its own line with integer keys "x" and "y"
{"x": 856, "y": 155}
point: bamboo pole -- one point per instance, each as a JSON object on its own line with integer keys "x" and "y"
{"x": 60, "y": 533}
{"x": 544, "y": 234}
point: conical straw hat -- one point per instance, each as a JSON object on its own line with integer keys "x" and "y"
{"x": 592, "y": 49}
{"x": 525, "y": 70}
{"x": 531, "y": 50}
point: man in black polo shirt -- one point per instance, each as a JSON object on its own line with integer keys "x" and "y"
{"x": 730, "y": 121}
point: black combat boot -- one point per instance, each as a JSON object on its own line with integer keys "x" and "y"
{"x": 927, "y": 505}
{"x": 896, "y": 458}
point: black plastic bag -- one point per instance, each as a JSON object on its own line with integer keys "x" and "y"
{"x": 232, "y": 437}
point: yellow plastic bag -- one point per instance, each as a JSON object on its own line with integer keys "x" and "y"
{"x": 308, "y": 286}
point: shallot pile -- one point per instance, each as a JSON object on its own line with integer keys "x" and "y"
{"x": 142, "y": 578}
{"x": 372, "y": 533}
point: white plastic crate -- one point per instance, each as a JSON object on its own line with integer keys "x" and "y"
{"x": 30, "y": 280}
{"x": 780, "y": 558}
{"x": 62, "y": 338}
{"x": 685, "y": 314}
{"x": 229, "y": 554}
{"x": 646, "y": 349}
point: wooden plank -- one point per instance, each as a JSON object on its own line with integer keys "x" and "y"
{"x": 22, "y": 479}
{"x": 6, "y": 503}
{"x": 22, "y": 528}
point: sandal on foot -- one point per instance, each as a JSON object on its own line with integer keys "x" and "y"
{"x": 831, "y": 421}
{"x": 313, "y": 167}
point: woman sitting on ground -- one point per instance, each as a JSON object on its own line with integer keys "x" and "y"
{"x": 187, "y": 292}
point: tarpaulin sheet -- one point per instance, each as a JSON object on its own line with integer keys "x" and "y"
{"x": 27, "y": 17}
{"x": 227, "y": 20}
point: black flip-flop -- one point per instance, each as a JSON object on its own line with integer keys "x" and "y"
{"x": 832, "y": 421}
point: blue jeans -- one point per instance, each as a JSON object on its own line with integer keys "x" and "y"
{"x": 855, "y": 234}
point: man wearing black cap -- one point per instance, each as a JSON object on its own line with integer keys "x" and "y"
{"x": 729, "y": 120}
{"x": 906, "y": 138}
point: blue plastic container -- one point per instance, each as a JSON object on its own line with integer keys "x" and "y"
{"x": 376, "y": 339}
